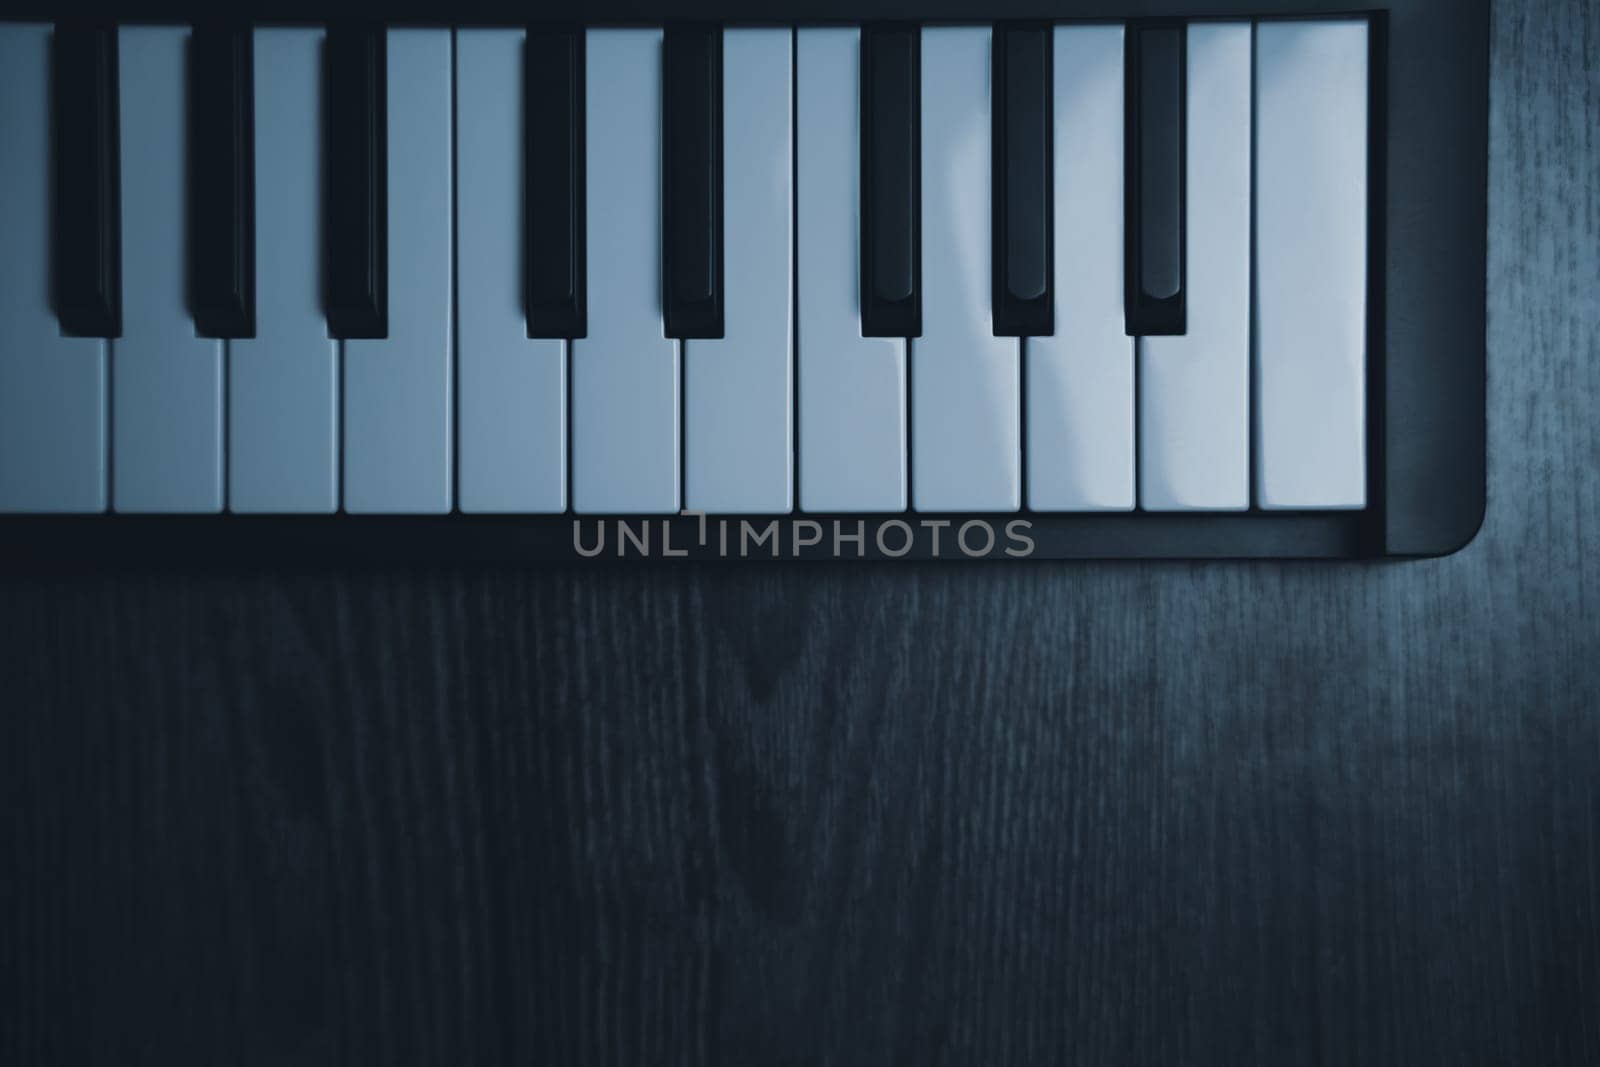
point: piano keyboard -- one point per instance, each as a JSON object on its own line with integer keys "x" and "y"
{"x": 1108, "y": 287}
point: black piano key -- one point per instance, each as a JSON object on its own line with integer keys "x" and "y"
{"x": 891, "y": 182}
{"x": 222, "y": 227}
{"x": 87, "y": 231}
{"x": 554, "y": 204}
{"x": 355, "y": 202}
{"x": 1023, "y": 223}
{"x": 692, "y": 182}
{"x": 1155, "y": 191}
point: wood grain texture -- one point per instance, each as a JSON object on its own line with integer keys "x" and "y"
{"x": 1049, "y": 814}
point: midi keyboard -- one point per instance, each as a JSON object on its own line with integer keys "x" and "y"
{"x": 689, "y": 279}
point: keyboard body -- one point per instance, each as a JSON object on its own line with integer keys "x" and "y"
{"x": 1421, "y": 409}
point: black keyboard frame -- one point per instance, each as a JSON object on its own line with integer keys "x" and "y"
{"x": 1426, "y": 331}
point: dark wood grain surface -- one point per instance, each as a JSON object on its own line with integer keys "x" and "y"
{"x": 1047, "y": 814}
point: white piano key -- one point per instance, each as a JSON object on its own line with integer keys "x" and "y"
{"x": 738, "y": 429}
{"x": 512, "y": 408}
{"x": 52, "y": 388}
{"x": 1080, "y": 385}
{"x": 1311, "y": 264}
{"x": 397, "y": 391}
{"x": 166, "y": 383}
{"x": 852, "y": 388}
{"x": 625, "y": 373}
{"x": 966, "y": 397}
{"x": 1194, "y": 390}
{"x": 283, "y": 384}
